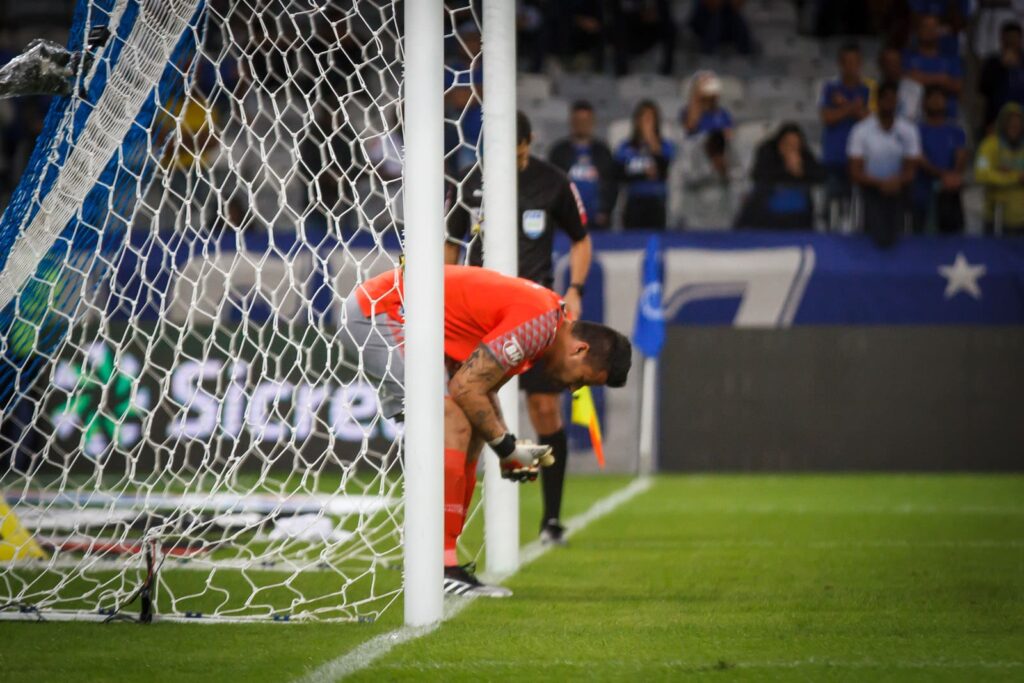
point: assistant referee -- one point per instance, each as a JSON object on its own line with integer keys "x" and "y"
{"x": 548, "y": 200}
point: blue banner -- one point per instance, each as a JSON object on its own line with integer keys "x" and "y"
{"x": 744, "y": 279}
{"x": 759, "y": 279}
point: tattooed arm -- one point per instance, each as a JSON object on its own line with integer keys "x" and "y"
{"x": 472, "y": 389}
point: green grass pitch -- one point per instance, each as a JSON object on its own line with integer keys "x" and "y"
{"x": 849, "y": 578}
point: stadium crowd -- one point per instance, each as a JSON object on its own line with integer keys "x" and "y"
{"x": 881, "y": 116}
{"x": 886, "y": 116}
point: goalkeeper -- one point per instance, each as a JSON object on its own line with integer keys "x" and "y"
{"x": 496, "y": 326}
{"x": 547, "y": 200}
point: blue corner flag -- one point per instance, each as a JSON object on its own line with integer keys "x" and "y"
{"x": 649, "y": 334}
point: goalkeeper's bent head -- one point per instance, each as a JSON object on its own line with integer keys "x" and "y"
{"x": 586, "y": 353}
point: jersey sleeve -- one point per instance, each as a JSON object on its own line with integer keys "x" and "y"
{"x": 569, "y": 212}
{"x": 522, "y": 336}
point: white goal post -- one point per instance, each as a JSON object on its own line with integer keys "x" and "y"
{"x": 187, "y": 432}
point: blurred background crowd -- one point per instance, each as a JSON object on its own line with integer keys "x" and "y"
{"x": 883, "y": 116}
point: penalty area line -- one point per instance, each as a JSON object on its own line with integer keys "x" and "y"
{"x": 366, "y": 654}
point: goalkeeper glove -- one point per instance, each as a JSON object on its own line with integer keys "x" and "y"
{"x": 521, "y": 460}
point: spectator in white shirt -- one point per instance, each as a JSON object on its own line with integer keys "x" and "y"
{"x": 883, "y": 150}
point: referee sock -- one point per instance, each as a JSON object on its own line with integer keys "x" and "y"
{"x": 454, "y": 502}
{"x": 553, "y": 478}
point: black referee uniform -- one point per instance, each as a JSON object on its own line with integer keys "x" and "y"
{"x": 547, "y": 201}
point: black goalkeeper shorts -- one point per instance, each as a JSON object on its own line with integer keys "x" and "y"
{"x": 534, "y": 381}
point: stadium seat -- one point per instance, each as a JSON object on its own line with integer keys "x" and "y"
{"x": 549, "y": 108}
{"x": 800, "y": 109}
{"x": 809, "y": 66}
{"x": 812, "y": 131}
{"x": 767, "y": 66}
{"x": 609, "y": 109}
{"x": 744, "y": 109}
{"x": 533, "y": 86}
{"x": 748, "y": 136}
{"x": 777, "y": 89}
{"x": 618, "y": 132}
{"x": 584, "y": 86}
{"x": 671, "y": 108}
{"x": 794, "y": 47}
{"x": 771, "y": 12}
{"x": 646, "y": 86}
{"x": 550, "y": 122}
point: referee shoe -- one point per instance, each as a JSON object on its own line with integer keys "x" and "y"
{"x": 552, "y": 533}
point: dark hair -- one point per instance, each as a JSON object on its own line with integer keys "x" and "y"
{"x": 888, "y": 88}
{"x": 609, "y": 350}
{"x": 524, "y": 131}
{"x": 640, "y": 106}
{"x": 850, "y": 46}
{"x": 1009, "y": 26}
{"x": 932, "y": 89}
{"x": 582, "y": 105}
{"x": 785, "y": 129}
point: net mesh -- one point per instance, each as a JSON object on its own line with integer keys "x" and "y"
{"x": 181, "y": 424}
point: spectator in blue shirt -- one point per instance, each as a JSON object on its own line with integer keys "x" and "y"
{"x": 844, "y": 102}
{"x": 928, "y": 65}
{"x": 703, "y": 113}
{"x": 643, "y": 162}
{"x": 940, "y": 175}
{"x": 589, "y": 164}
{"x": 953, "y": 13}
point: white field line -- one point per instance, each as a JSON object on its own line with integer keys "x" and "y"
{"x": 904, "y": 509}
{"x": 375, "y": 648}
{"x": 716, "y": 544}
{"x": 696, "y": 666}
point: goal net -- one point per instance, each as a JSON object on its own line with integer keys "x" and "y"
{"x": 183, "y": 434}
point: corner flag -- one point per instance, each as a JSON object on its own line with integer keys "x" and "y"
{"x": 649, "y": 333}
{"x": 584, "y": 413}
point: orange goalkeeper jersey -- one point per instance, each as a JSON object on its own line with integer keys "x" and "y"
{"x": 516, "y": 319}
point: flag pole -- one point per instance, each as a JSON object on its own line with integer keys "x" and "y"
{"x": 648, "y": 395}
{"x": 649, "y": 337}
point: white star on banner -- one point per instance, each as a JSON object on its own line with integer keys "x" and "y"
{"x": 962, "y": 277}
